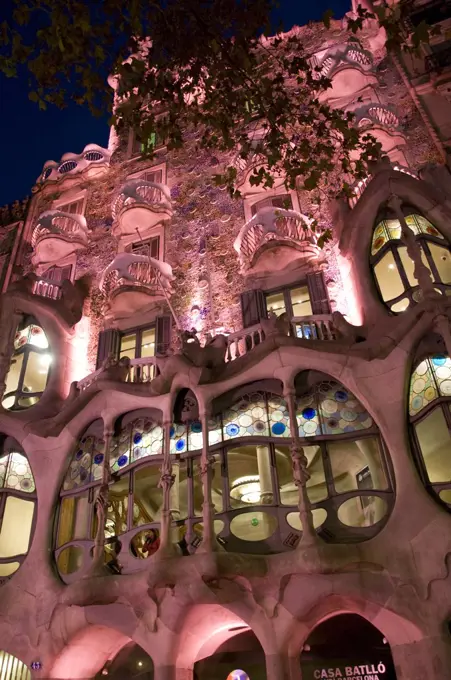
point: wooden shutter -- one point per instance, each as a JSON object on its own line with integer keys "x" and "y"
{"x": 163, "y": 327}
{"x": 109, "y": 343}
{"x": 318, "y": 293}
{"x": 253, "y": 307}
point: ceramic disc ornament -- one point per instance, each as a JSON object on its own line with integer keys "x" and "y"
{"x": 238, "y": 675}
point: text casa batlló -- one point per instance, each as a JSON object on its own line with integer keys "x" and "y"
{"x": 363, "y": 672}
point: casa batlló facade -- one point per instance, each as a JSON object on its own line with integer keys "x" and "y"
{"x": 226, "y": 452}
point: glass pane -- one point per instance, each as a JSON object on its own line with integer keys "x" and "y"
{"x": 409, "y": 266}
{"x": 442, "y": 260}
{"x": 426, "y": 227}
{"x": 246, "y": 418}
{"x": 388, "y": 278}
{"x": 441, "y": 366}
{"x": 3, "y": 465}
{"x": 147, "y": 343}
{"x": 435, "y": 445}
{"x": 147, "y": 496}
{"x": 216, "y": 486}
{"x": 362, "y": 511}
{"x": 253, "y": 526}
{"x": 279, "y": 419}
{"x": 35, "y": 378}
{"x": 379, "y": 238}
{"x": 128, "y": 346}
{"x": 316, "y": 485}
{"x": 250, "y": 482}
{"x": 19, "y": 475}
{"x": 400, "y": 306}
{"x": 445, "y": 496}
{"x": 422, "y": 387}
{"x": 8, "y": 569}
{"x": 276, "y": 303}
{"x": 357, "y": 465}
{"x": 300, "y": 301}
{"x": 178, "y": 438}
{"x": 319, "y": 517}
{"x": 16, "y": 527}
{"x": 340, "y": 411}
{"x": 73, "y": 519}
{"x": 70, "y": 559}
{"x": 116, "y": 522}
{"x": 12, "y": 379}
{"x": 195, "y": 436}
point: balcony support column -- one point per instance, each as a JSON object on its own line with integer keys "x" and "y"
{"x": 102, "y": 500}
{"x": 9, "y": 320}
{"x": 300, "y": 476}
{"x": 209, "y": 543}
{"x": 167, "y": 478}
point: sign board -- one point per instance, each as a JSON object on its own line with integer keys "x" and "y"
{"x": 329, "y": 669}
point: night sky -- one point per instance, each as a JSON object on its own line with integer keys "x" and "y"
{"x": 30, "y": 136}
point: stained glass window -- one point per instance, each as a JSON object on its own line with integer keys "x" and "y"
{"x": 246, "y": 418}
{"x": 86, "y": 464}
{"x": 15, "y": 473}
{"x": 138, "y": 439}
{"x": 330, "y": 409}
{"x": 279, "y": 418}
{"x": 214, "y": 430}
{"x": 431, "y": 379}
{"x": 179, "y": 438}
{"x": 195, "y": 439}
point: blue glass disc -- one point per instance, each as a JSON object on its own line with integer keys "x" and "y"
{"x": 341, "y": 395}
{"x": 137, "y": 438}
{"x": 439, "y": 360}
{"x": 196, "y": 426}
{"x": 79, "y": 454}
{"x": 180, "y": 445}
{"x": 98, "y": 458}
{"x": 172, "y": 431}
{"x": 232, "y": 429}
{"x": 309, "y": 413}
{"x": 123, "y": 460}
{"x": 278, "y": 428}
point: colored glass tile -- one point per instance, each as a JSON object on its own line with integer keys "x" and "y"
{"x": 279, "y": 418}
{"x": 19, "y": 476}
{"x": 423, "y": 384}
{"x": 247, "y": 417}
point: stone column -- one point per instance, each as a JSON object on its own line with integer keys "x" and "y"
{"x": 102, "y": 500}
{"x": 428, "y": 658}
{"x": 165, "y": 483}
{"x": 264, "y": 473}
{"x": 300, "y": 476}
{"x": 9, "y": 320}
{"x": 420, "y": 271}
{"x": 209, "y": 543}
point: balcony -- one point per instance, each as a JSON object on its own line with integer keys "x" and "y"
{"x": 133, "y": 282}
{"x": 57, "y": 235}
{"x": 140, "y": 371}
{"x": 140, "y": 205}
{"x": 439, "y": 61}
{"x": 274, "y": 238}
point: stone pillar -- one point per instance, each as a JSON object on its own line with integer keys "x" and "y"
{"x": 175, "y": 492}
{"x": 9, "y": 320}
{"x": 277, "y": 667}
{"x": 264, "y": 473}
{"x": 101, "y": 503}
{"x": 428, "y": 658}
{"x": 300, "y": 476}
{"x": 165, "y": 483}
{"x": 209, "y": 542}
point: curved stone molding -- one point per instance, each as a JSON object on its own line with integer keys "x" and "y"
{"x": 271, "y": 227}
{"x": 377, "y": 114}
{"x": 342, "y": 55}
{"x": 57, "y": 235}
{"x": 140, "y": 205}
{"x": 72, "y": 164}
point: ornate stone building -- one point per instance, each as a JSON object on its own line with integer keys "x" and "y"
{"x": 225, "y": 452}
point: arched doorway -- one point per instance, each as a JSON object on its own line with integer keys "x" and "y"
{"x": 347, "y": 646}
{"x": 131, "y": 662}
{"x": 239, "y": 657}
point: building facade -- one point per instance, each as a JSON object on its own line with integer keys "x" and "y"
{"x": 225, "y": 451}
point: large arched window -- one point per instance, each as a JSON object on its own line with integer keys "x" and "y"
{"x": 393, "y": 268}
{"x": 29, "y": 368}
{"x": 430, "y": 417}
{"x": 17, "y": 504}
{"x": 12, "y": 668}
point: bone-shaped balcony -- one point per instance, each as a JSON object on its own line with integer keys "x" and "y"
{"x": 135, "y": 282}
{"x": 140, "y": 205}
{"x": 57, "y": 235}
{"x": 273, "y": 238}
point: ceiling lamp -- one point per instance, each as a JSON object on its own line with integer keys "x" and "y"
{"x": 247, "y": 489}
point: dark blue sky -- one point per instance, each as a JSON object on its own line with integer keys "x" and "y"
{"x": 29, "y": 137}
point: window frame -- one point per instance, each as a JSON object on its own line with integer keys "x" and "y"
{"x": 64, "y": 200}
{"x": 251, "y": 199}
{"x": 138, "y": 332}
{"x": 392, "y": 246}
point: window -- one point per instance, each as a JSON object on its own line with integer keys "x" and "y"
{"x": 12, "y": 668}
{"x": 148, "y": 247}
{"x": 58, "y": 274}
{"x": 432, "y": 13}
{"x": 138, "y": 344}
{"x": 73, "y": 208}
{"x": 29, "y": 368}
{"x": 393, "y": 268}
{"x": 145, "y": 146}
{"x": 283, "y": 201}
{"x": 430, "y": 417}
{"x": 17, "y": 503}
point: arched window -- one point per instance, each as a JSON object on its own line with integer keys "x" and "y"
{"x": 134, "y": 496}
{"x": 17, "y": 503}
{"x": 29, "y": 368}
{"x": 393, "y": 268}
{"x": 430, "y": 417}
{"x": 12, "y": 668}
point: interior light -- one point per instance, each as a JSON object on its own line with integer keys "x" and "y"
{"x": 391, "y": 266}
{"x": 140, "y": 663}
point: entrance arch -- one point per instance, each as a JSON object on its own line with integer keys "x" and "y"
{"x": 239, "y": 657}
{"x": 347, "y": 646}
{"x": 130, "y": 662}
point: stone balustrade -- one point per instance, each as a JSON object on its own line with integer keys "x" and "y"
{"x": 142, "y": 370}
{"x": 142, "y": 275}
{"x": 56, "y": 224}
{"x": 47, "y": 289}
{"x": 316, "y": 327}
{"x": 140, "y": 205}
{"x": 273, "y": 224}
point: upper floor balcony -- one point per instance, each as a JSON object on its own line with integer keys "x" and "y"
{"x": 140, "y": 205}
{"x": 273, "y": 238}
{"x": 57, "y": 235}
{"x": 132, "y": 282}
